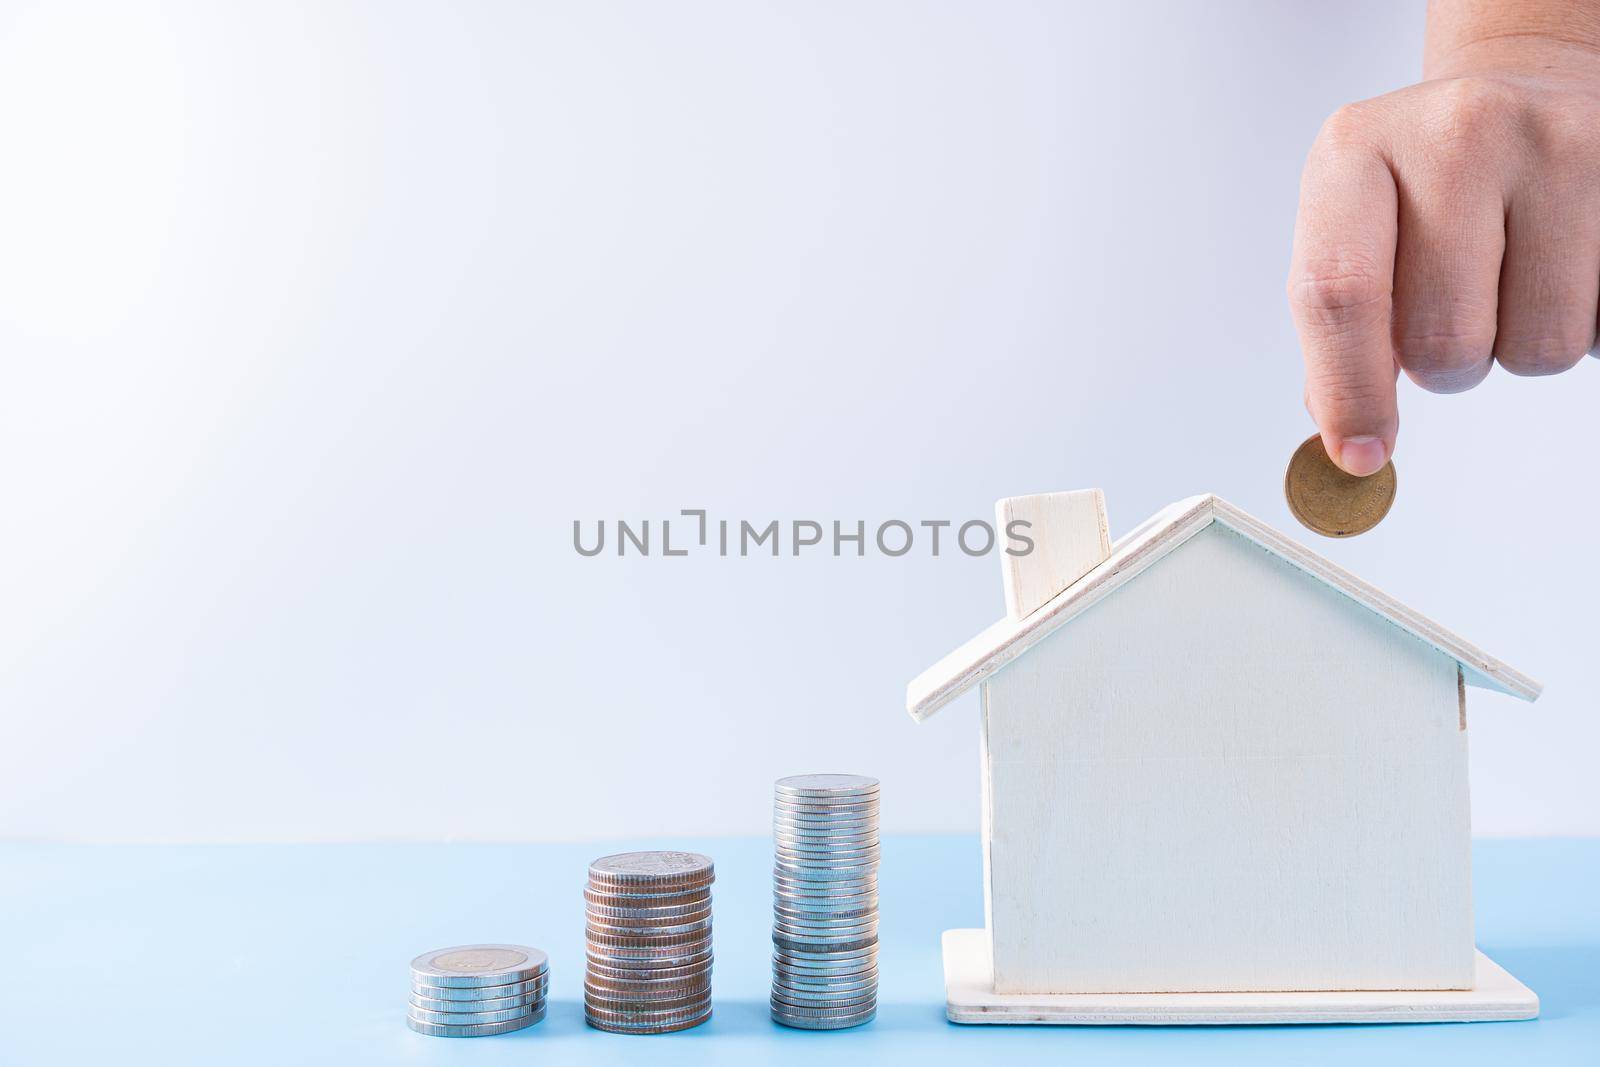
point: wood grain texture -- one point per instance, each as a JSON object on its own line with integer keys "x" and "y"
{"x": 1228, "y": 777}
{"x": 1070, "y": 538}
{"x": 1007, "y": 639}
{"x": 1496, "y": 996}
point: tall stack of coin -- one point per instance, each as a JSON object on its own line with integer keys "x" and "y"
{"x": 477, "y": 990}
{"x": 649, "y": 942}
{"x": 825, "y": 901}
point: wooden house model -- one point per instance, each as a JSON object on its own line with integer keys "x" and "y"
{"x": 1224, "y": 780}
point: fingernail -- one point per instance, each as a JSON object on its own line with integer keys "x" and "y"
{"x": 1362, "y": 456}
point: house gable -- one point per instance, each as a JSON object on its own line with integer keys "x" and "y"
{"x": 1148, "y": 543}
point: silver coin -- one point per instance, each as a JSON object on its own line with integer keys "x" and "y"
{"x": 619, "y": 1027}
{"x": 825, "y": 889}
{"x": 826, "y": 813}
{"x": 823, "y": 872}
{"x": 802, "y": 967}
{"x": 834, "y": 1022}
{"x": 819, "y": 842}
{"x": 479, "y": 965}
{"x": 480, "y": 992}
{"x": 628, "y": 933}
{"x": 828, "y": 834}
{"x": 651, "y": 868}
{"x": 823, "y": 923}
{"x": 786, "y": 822}
{"x": 858, "y": 971}
{"x": 648, "y": 956}
{"x": 667, "y": 1015}
{"x": 813, "y": 986}
{"x": 639, "y": 936}
{"x": 832, "y": 1000}
{"x": 681, "y": 951}
{"x": 854, "y": 971}
{"x": 644, "y": 898}
{"x": 818, "y": 852}
{"x": 842, "y": 894}
{"x": 468, "y": 1018}
{"x": 824, "y": 920}
{"x": 823, "y": 936}
{"x": 814, "y": 940}
{"x": 794, "y": 944}
{"x": 786, "y": 815}
{"x": 624, "y": 966}
{"x": 823, "y": 852}
{"x": 863, "y": 807}
{"x": 476, "y": 1029}
{"x": 798, "y": 884}
{"x": 822, "y": 877}
{"x": 522, "y": 1000}
{"x": 626, "y": 981}
{"x": 844, "y": 979}
{"x": 789, "y": 913}
{"x": 840, "y": 802}
{"x": 826, "y": 955}
{"x": 826, "y": 827}
{"x": 813, "y": 850}
{"x": 635, "y": 1004}
{"x": 842, "y": 864}
{"x": 827, "y": 807}
{"x": 803, "y": 876}
{"x": 830, "y": 918}
{"x": 613, "y": 988}
{"x": 857, "y": 998}
{"x": 828, "y": 843}
{"x": 807, "y": 910}
{"x": 641, "y": 970}
{"x": 804, "y": 907}
{"x": 825, "y": 785}
{"x": 795, "y": 802}
{"x": 668, "y": 914}
{"x": 853, "y": 1003}
{"x": 817, "y": 1007}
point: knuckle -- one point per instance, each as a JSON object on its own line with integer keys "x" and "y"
{"x": 1352, "y": 127}
{"x": 1336, "y": 291}
{"x": 1564, "y": 138}
{"x": 1343, "y": 399}
{"x": 1446, "y": 361}
{"x": 1537, "y": 356}
{"x": 1467, "y": 112}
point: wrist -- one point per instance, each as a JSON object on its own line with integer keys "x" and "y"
{"x": 1467, "y": 37}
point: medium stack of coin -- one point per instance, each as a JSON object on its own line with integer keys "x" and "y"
{"x": 825, "y": 901}
{"x": 649, "y": 942}
{"x": 477, "y": 990}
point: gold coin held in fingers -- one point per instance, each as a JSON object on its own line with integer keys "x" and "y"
{"x": 1330, "y": 502}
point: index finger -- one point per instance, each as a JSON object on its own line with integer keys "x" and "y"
{"x": 1341, "y": 291}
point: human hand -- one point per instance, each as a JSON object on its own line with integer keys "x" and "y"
{"x": 1454, "y": 224}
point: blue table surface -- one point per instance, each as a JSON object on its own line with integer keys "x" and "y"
{"x": 297, "y": 954}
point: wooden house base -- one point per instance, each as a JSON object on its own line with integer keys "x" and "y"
{"x": 969, "y": 996}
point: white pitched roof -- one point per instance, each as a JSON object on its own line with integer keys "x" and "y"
{"x": 1142, "y": 546}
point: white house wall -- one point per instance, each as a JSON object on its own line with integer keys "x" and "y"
{"x": 1226, "y": 776}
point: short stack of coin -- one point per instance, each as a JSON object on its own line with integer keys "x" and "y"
{"x": 825, "y": 901}
{"x": 477, "y": 990}
{"x": 649, "y": 942}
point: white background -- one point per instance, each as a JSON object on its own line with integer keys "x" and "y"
{"x": 321, "y": 323}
